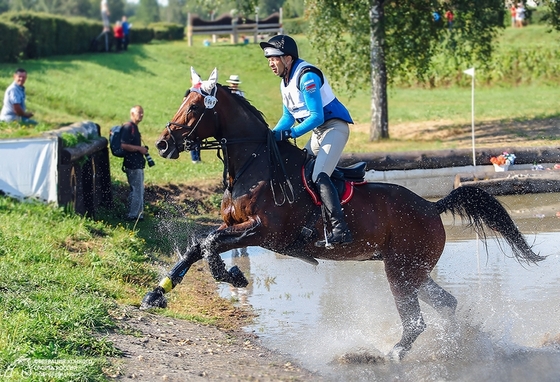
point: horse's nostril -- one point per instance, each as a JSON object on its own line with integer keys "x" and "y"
{"x": 161, "y": 145}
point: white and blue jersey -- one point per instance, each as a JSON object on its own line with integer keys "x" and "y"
{"x": 309, "y": 100}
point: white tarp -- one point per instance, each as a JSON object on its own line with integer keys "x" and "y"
{"x": 28, "y": 168}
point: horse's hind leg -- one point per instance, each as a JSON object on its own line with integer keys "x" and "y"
{"x": 438, "y": 298}
{"x": 408, "y": 307}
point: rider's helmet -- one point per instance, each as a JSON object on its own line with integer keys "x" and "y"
{"x": 280, "y": 45}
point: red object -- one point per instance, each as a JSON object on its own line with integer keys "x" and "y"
{"x": 118, "y": 31}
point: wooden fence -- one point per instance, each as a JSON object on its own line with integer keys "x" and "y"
{"x": 234, "y": 27}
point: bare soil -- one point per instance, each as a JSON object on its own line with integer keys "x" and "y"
{"x": 159, "y": 348}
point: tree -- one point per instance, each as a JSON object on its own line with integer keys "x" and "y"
{"x": 148, "y": 11}
{"x": 370, "y": 41}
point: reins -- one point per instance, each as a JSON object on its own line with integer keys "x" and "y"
{"x": 278, "y": 176}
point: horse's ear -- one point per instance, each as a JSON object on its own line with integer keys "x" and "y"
{"x": 195, "y": 79}
{"x": 214, "y": 76}
{"x": 210, "y": 83}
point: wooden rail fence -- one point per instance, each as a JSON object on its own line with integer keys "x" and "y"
{"x": 234, "y": 26}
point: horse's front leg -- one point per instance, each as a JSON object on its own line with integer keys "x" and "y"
{"x": 156, "y": 298}
{"x": 223, "y": 239}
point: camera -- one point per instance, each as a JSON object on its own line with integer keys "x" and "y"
{"x": 149, "y": 159}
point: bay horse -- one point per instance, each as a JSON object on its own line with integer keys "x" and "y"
{"x": 266, "y": 204}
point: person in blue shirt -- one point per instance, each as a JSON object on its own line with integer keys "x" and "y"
{"x": 13, "y": 108}
{"x": 126, "y": 30}
{"x": 309, "y": 100}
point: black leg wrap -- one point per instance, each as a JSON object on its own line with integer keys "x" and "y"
{"x": 218, "y": 269}
{"x": 154, "y": 299}
{"x": 237, "y": 277}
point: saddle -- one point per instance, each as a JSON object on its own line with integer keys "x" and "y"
{"x": 343, "y": 178}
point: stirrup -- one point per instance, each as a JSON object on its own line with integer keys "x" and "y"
{"x": 332, "y": 240}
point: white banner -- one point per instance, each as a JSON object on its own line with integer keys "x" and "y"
{"x": 28, "y": 168}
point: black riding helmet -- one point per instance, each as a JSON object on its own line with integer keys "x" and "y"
{"x": 282, "y": 45}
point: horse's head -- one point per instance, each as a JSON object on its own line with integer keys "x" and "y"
{"x": 209, "y": 110}
{"x": 194, "y": 120}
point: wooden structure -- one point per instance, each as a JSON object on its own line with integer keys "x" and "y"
{"x": 84, "y": 178}
{"x": 234, "y": 27}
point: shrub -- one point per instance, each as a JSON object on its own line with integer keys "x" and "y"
{"x": 13, "y": 39}
{"x": 168, "y": 31}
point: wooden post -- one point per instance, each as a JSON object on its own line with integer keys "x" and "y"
{"x": 234, "y": 31}
{"x": 189, "y": 29}
{"x": 256, "y": 34}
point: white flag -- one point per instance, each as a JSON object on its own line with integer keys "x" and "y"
{"x": 470, "y": 72}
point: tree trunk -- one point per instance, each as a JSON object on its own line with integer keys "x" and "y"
{"x": 379, "y": 128}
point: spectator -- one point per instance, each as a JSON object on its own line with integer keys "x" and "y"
{"x": 520, "y": 15}
{"x": 134, "y": 162}
{"x": 118, "y": 34}
{"x": 126, "y": 31}
{"x": 13, "y": 108}
{"x": 105, "y": 16}
{"x": 513, "y": 11}
{"x": 234, "y": 85}
{"x": 449, "y": 17}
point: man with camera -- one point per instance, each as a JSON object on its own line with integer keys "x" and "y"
{"x": 134, "y": 162}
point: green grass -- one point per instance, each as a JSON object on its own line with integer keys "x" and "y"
{"x": 60, "y": 276}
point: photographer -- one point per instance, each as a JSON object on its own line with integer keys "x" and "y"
{"x": 134, "y": 162}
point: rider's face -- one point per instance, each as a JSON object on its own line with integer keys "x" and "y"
{"x": 279, "y": 65}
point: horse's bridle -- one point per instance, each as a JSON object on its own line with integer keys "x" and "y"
{"x": 210, "y": 101}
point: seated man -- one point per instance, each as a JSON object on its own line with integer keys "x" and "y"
{"x": 13, "y": 109}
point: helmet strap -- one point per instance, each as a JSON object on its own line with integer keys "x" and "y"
{"x": 286, "y": 70}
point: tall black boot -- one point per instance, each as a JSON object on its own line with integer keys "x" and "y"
{"x": 340, "y": 233}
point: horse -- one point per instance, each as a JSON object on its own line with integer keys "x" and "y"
{"x": 267, "y": 203}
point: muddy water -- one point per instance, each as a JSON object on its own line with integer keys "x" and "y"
{"x": 339, "y": 318}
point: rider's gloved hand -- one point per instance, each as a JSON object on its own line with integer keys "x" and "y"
{"x": 282, "y": 135}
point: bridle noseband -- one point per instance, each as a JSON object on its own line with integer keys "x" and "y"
{"x": 210, "y": 101}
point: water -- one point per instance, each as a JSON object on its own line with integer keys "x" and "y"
{"x": 339, "y": 319}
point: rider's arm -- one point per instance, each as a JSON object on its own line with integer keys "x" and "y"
{"x": 286, "y": 121}
{"x": 310, "y": 86}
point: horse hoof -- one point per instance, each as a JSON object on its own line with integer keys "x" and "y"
{"x": 238, "y": 278}
{"x": 154, "y": 299}
{"x": 397, "y": 353}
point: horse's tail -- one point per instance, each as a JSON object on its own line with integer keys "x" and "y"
{"x": 480, "y": 208}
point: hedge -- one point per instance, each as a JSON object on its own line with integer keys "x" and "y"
{"x": 168, "y": 31}
{"x": 13, "y": 40}
{"x": 41, "y": 35}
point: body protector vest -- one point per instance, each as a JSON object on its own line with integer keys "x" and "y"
{"x": 293, "y": 99}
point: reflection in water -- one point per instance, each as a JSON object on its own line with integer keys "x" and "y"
{"x": 508, "y": 318}
{"x": 240, "y": 257}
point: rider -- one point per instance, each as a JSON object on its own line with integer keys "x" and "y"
{"x": 309, "y": 100}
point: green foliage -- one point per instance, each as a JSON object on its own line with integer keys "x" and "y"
{"x": 167, "y": 31}
{"x": 295, "y": 26}
{"x": 408, "y": 35}
{"x": 148, "y": 11}
{"x": 52, "y": 35}
{"x": 141, "y": 35}
{"x": 13, "y": 40}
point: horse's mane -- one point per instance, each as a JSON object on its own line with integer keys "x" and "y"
{"x": 243, "y": 102}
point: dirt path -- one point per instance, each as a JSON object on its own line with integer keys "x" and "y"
{"x": 158, "y": 348}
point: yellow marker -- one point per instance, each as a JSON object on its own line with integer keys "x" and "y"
{"x": 166, "y": 284}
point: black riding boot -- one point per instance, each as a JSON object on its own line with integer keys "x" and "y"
{"x": 340, "y": 233}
